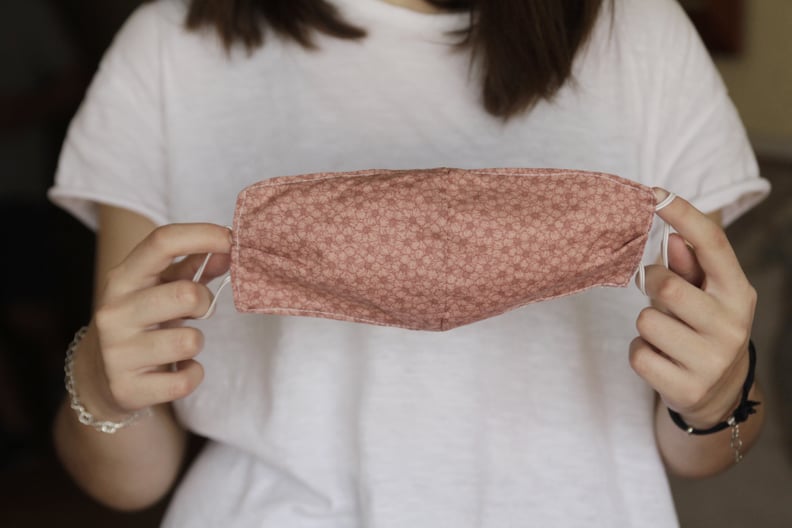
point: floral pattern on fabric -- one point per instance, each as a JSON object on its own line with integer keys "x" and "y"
{"x": 433, "y": 249}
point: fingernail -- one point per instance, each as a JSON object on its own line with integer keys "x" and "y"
{"x": 660, "y": 194}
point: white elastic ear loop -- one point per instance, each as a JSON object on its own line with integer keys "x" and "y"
{"x": 226, "y": 281}
{"x": 663, "y": 244}
{"x": 197, "y": 277}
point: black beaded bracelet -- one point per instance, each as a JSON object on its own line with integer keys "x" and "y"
{"x": 741, "y": 414}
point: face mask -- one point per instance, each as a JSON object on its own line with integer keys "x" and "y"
{"x": 433, "y": 249}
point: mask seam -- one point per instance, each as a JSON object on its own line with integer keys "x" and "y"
{"x": 503, "y": 171}
{"x": 236, "y": 243}
{"x": 446, "y": 243}
{"x": 337, "y": 314}
{"x": 322, "y": 176}
{"x": 336, "y": 317}
{"x": 562, "y": 173}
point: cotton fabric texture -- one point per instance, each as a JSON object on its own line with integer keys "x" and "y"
{"x": 531, "y": 418}
{"x": 433, "y": 249}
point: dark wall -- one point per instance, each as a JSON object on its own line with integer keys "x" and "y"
{"x": 49, "y": 50}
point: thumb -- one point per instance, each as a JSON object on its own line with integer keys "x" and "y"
{"x": 682, "y": 261}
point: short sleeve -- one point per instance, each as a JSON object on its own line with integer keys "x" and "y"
{"x": 696, "y": 144}
{"x": 114, "y": 151}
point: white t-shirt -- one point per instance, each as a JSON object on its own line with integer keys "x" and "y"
{"x": 532, "y": 418}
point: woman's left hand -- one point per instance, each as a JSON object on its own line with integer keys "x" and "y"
{"x": 693, "y": 344}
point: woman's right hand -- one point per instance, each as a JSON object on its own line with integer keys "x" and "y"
{"x": 140, "y": 355}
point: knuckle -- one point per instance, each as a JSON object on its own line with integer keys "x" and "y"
{"x": 644, "y": 320}
{"x": 717, "y": 366}
{"x": 190, "y": 341}
{"x": 736, "y": 335}
{"x": 639, "y": 360}
{"x": 113, "y": 275}
{"x": 159, "y": 239}
{"x": 112, "y": 285}
{"x": 187, "y": 293}
{"x": 732, "y": 334}
{"x": 670, "y": 289}
{"x": 104, "y": 317}
{"x": 751, "y": 295}
{"x": 718, "y": 238}
{"x": 111, "y": 356}
{"x": 159, "y": 235}
{"x": 185, "y": 381}
{"x": 179, "y": 388}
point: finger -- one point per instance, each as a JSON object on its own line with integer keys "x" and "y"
{"x": 156, "y": 252}
{"x": 152, "y": 388}
{"x": 671, "y": 293}
{"x": 659, "y": 371}
{"x": 186, "y": 269}
{"x": 156, "y": 348}
{"x": 672, "y": 337}
{"x": 151, "y": 306}
{"x": 713, "y": 250}
{"x": 682, "y": 261}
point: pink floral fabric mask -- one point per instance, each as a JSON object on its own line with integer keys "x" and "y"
{"x": 433, "y": 249}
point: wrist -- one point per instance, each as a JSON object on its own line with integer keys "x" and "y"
{"x": 701, "y": 421}
{"x": 740, "y": 414}
{"x": 89, "y": 379}
{"x": 92, "y": 402}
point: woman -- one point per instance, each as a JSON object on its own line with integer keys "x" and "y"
{"x": 533, "y": 417}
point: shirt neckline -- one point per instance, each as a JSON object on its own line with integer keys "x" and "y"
{"x": 386, "y": 13}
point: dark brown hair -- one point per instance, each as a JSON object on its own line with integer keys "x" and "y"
{"x": 524, "y": 48}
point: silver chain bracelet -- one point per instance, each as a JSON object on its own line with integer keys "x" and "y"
{"x": 85, "y": 417}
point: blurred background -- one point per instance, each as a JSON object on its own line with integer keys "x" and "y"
{"x": 49, "y": 50}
